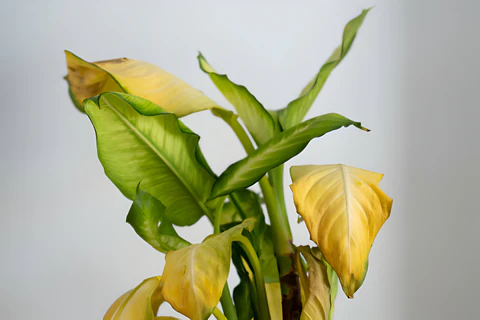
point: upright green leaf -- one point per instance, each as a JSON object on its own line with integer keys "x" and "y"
{"x": 257, "y": 119}
{"x": 281, "y": 148}
{"x": 194, "y": 276}
{"x": 138, "y": 141}
{"x": 296, "y": 110}
{"x": 147, "y": 217}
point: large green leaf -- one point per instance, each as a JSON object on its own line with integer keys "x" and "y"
{"x": 281, "y": 148}
{"x": 194, "y": 276}
{"x": 147, "y": 217}
{"x": 296, "y": 110}
{"x": 138, "y": 141}
{"x": 257, "y": 119}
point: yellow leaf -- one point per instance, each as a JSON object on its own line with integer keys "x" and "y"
{"x": 317, "y": 303}
{"x": 141, "y": 303}
{"x": 135, "y": 77}
{"x": 194, "y": 277}
{"x": 344, "y": 209}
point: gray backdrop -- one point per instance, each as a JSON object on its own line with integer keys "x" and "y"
{"x": 411, "y": 76}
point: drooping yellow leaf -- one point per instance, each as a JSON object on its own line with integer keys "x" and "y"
{"x": 136, "y": 77}
{"x": 141, "y": 303}
{"x": 194, "y": 277}
{"x": 316, "y": 287}
{"x": 344, "y": 209}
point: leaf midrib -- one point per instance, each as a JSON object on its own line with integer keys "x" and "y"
{"x": 157, "y": 152}
{"x": 346, "y": 190}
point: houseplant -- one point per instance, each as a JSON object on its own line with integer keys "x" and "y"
{"x": 155, "y": 160}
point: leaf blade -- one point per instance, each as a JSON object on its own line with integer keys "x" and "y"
{"x": 257, "y": 119}
{"x": 344, "y": 209}
{"x": 137, "y": 77}
{"x": 298, "y": 108}
{"x": 147, "y": 218}
{"x": 276, "y": 151}
{"x": 154, "y": 149}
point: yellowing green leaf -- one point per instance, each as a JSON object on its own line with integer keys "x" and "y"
{"x": 344, "y": 209}
{"x": 140, "y": 303}
{"x": 136, "y": 77}
{"x": 298, "y": 108}
{"x": 316, "y": 287}
{"x": 194, "y": 277}
{"x": 138, "y": 141}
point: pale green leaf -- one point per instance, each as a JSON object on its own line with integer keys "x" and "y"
{"x": 194, "y": 276}
{"x": 138, "y": 141}
{"x": 296, "y": 110}
{"x": 281, "y": 148}
{"x": 147, "y": 217}
{"x": 257, "y": 119}
{"x": 344, "y": 209}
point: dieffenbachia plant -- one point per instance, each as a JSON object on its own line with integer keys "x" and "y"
{"x": 155, "y": 160}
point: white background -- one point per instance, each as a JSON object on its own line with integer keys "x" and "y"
{"x": 412, "y": 77}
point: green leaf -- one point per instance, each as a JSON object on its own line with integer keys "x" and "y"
{"x": 147, "y": 217}
{"x": 194, "y": 276}
{"x": 242, "y": 298}
{"x": 257, "y": 119}
{"x": 138, "y": 141}
{"x": 281, "y": 148}
{"x": 141, "y": 303}
{"x": 296, "y": 110}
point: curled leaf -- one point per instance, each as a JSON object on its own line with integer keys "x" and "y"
{"x": 87, "y": 79}
{"x": 194, "y": 277}
{"x": 141, "y": 303}
{"x": 344, "y": 209}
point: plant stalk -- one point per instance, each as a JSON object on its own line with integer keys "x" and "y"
{"x": 264, "y": 312}
{"x": 219, "y": 315}
{"x": 226, "y": 299}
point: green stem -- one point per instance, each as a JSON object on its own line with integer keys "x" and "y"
{"x": 219, "y": 315}
{"x": 264, "y": 312}
{"x": 218, "y": 215}
{"x": 226, "y": 298}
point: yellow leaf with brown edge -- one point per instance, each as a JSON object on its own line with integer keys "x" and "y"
{"x": 344, "y": 209}
{"x": 88, "y": 79}
{"x": 316, "y": 287}
{"x": 194, "y": 276}
{"x": 141, "y": 303}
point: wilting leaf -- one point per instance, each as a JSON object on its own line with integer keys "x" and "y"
{"x": 194, "y": 276}
{"x": 344, "y": 209}
{"x": 136, "y": 77}
{"x": 317, "y": 287}
{"x": 147, "y": 217}
{"x": 332, "y": 280}
{"x": 296, "y": 110}
{"x": 257, "y": 119}
{"x": 281, "y": 148}
{"x": 138, "y": 141}
{"x": 140, "y": 303}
